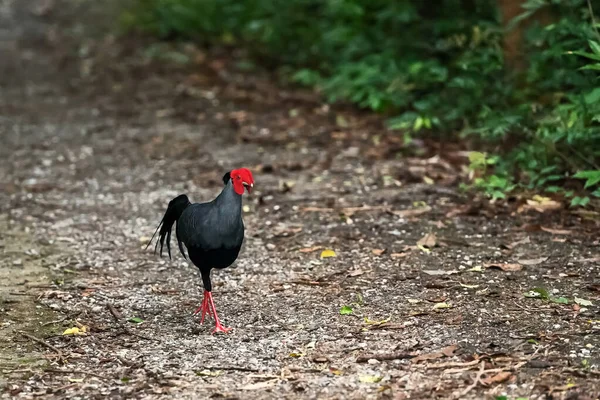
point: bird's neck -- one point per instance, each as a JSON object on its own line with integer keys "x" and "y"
{"x": 230, "y": 199}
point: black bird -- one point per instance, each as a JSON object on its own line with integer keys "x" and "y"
{"x": 212, "y": 232}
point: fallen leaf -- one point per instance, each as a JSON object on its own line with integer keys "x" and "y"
{"x": 310, "y": 249}
{"x": 428, "y": 241}
{"x": 371, "y": 322}
{"x": 469, "y": 286}
{"x": 370, "y": 378}
{"x": 346, "y": 310}
{"x": 259, "y": 385}
{"x": 556, "y": 231}
{"x": 534, "y": 261}
{"x": 378, "y": 252}
{"x": 476, "y": 269}
{"x": 335, "y": 371}
{"x": 540, "y": 204}
{"x": 517, "y": 243}
{"x": 398, "y": 255}
{"x": 413, "y": 212}
{"x": 135, "y": 320}
{"x": 440, "y": 306}
{"x": 75, "y": 380}
{"x": 74, "y": 331}
{"x": 537, "y": 293}
{"x": 296, "y": 355}
{"x": 583, "y": 302}
{"x": 498, "y": 378}
{"x": 445, "y": 352}
{"x": 505, "y": 267}
{"x": 208, "y": 372}
{"x": 328, "y": 253}
{"x": 437, "y": 272}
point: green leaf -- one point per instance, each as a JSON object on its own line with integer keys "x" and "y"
{"x": 592, "y": 177}
{"x": 136, "y": 320}
{"x": 595, "y": 47}
{"x": 560, "y": 300}
{"x": 539, "y": 293}
{"x": 346, "y": 310}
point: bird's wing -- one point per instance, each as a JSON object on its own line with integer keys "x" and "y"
{"x": 205, "y": 226}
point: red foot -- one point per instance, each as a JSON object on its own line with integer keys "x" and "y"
{"x": 221, "y": 329}
{"x": 208, "y": 307}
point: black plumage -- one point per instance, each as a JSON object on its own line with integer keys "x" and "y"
{"x": 212, "y": 232}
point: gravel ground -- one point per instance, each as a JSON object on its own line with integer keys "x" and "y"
{"x": 98, "y": 135}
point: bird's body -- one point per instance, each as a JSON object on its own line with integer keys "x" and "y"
{"x": 212, "y": 232}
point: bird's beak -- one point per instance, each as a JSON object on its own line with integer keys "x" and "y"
{"x": 249, "y": 186}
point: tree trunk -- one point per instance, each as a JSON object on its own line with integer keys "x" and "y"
{"x": 514, "y": 39}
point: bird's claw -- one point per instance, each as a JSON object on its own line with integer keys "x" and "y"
{"x": 221, "y": 329}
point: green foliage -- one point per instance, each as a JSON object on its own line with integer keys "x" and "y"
{"x": 434, "y": 69}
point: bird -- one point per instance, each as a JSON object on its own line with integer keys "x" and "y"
{"x": 212, "y": 232}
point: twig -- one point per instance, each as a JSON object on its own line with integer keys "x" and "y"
{"x": 454, "y": 364}
{"x": 476, "y": 381}
{"x": 43, "y": 343}
{"x": 384, "y": 357}
{"x": 58, "y": 321}
{"x": 233, "y": 368}
{"x": 117, "y": 315}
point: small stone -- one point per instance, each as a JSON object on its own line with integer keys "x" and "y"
{"x": 18, "y": 261}
{"x": 270, "y": 246}
{"x": 373, "y": 361}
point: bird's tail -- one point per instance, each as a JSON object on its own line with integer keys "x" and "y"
{"x": 174, "y": 211}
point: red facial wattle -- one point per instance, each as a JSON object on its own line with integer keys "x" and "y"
{"x": 242, "y": 178}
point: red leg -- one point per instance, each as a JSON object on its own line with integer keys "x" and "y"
{"x": 205, "y": 307}
{"x": 218, "y": 326}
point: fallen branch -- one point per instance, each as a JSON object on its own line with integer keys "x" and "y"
{"x": 43, "y": 343}
{"x": 233, "y": 368}
{"x": 453, "y": 364}
{"x": 118, "y": 317}
{"x": 476, "y": 381}
{"x": 384, "y": 357}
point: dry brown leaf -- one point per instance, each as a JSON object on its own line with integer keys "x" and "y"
{"x": 445, "y": 352}
{"x": 534, "y": 261}
{"x": 412, "y": 213}
{"x": 540, "y": 204}
{"x": 556, "y": 231}
{"x": 378, "y": 252}
{"x": 504, "y": 267}
{"x": 398, "y": 255}
{"x": 498, "y": 378}
{"x": 517, "y": 243}
{"x": 428, "y": 241}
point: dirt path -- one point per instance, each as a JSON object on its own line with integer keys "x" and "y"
{"x": 98, "y": 136}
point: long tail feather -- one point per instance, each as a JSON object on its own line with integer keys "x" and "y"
{"x": 173, "y": 213}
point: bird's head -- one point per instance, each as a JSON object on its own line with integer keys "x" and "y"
{"x": 241, "y": 178}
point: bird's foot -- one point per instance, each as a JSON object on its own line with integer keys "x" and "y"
{"x": 221, "y": 329}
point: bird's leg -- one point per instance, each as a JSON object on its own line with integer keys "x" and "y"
{"x": 218, "y": 326}
{"x": 205, "y": 307}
